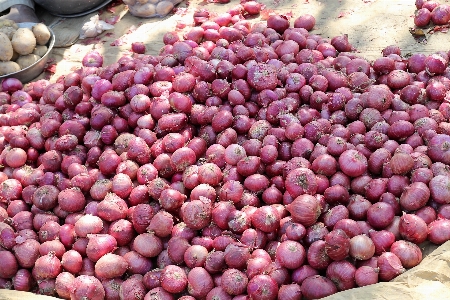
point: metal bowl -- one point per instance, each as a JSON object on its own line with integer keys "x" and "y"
{"x": 71, "y": 8}
{"x": 33, "y": 71}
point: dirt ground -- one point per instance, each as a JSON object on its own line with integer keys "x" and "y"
{"x": 370, "y": 25}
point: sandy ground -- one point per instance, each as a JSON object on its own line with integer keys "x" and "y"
{"x": 370, "y": 25}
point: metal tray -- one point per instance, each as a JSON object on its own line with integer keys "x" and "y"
{"x": 83, "y": 13}
{"x": 33, "y": 71}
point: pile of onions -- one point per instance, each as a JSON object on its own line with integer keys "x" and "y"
{"x": 431, "y": 13}
{"x": 246, "y": 160}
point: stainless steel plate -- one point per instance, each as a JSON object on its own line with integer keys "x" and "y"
{"x": 79, "y": 8}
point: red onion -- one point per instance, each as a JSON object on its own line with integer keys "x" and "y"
{"x": 173, "y": 279}
{"x": 200, "y": 282}
{"x": 110, "y": 266}
{"x": 313, "y": 153}
{"x": 47, "y": 267}
{"x": 366, "y": 275}
{"x": 439, "y": 231}
{"x": 87, "y": 287}
{"x": 234, "y": 282}
{"x": 316, "y": 255}
{"x": 337, "y": 244}
{"x": 382, "y": 240}
{"x": 63, "y": 284}
{"x": 305, "y": 209}
{"x": 361, "y": 247}
{"x": 10, "y": 265}
{"x": 290, "y": 291}
{"x": 291, "y": 254}
{"x": 409, "y": 254}
{"x": 23, "y": 280}
{"x": 316, "y": 287}
{"x": 412, "y": 228}
{"x": 342, "y": 273}
{"x": 380, "y": 215}
{"x": 390, "y": 266}
{"x": 415, "y": 196}
{"x": 255, "y": 287}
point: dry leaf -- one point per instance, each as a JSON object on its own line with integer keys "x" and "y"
{"x": 419, "y": 35}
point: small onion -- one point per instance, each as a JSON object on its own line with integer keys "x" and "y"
{"x": 316, "y": 287}
{"x": 361, "y": 247}
{"x": 390, "y": 266}
{"x": 412, "y": 228}
{"x": 366, "y": 275}
{"x": 305, "y": 209}
{"x": 337, "y": 244}
{"x": 342, "y": 273}
{"x": 409, "y": 254}
{"x": 439, "y": 231}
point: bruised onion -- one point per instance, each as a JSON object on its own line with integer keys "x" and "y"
{"x": 337, "y": 244}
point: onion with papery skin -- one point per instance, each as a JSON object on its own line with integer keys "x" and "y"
{"x": 439, "y": 189}
{"x": 110, "y": 266}
{"x": 337, "y": 244}
{"x": 63, "y": 284}
{"x": 234, "y": 282}
{"x": 366, "y": 275}
{"x": 316, "y": 287}
{"x": 353, "y": 163}
{"x": 439, "y": 231}
{"x": 382, "y": 240}
{"x": 316, "y": 255}
{"x": 342, "y": 273}
{"x": 89, "y": 287}
{"x": 361, "y": 247}
{"x": 412, "y": 228}
{"x": 200, "y": 282}
{"x": 305, "y": 209}
{"x": 9, "y": 265}
{"x": 409, "y": 254}
{"x": 291, "y": 254}
{"x": 173, "y": 279}
{"x": 47, "y": 267}
{"x": 380, "y": 215}
{"x": 262, "y": 287}
{"x": 390, "y": 266}
{"x": 415, "y": 196}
